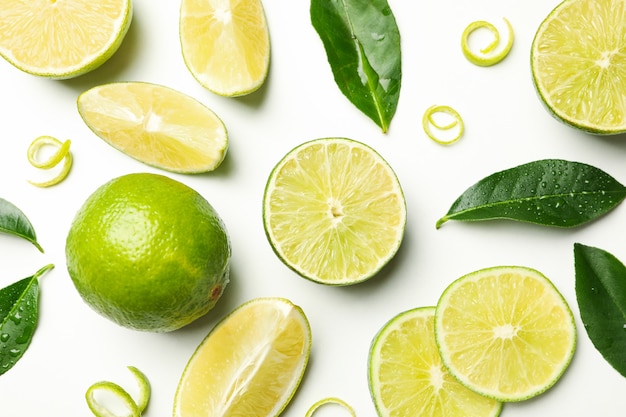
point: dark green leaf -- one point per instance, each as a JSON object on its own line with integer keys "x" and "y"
{"x": 362, "y": 43}
{"x": 14, "y": 222}
{"x": 601, "y": 296}
{"x": 550, "y": 192}
{"x": 19, "y": 312}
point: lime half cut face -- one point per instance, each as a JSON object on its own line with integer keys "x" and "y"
{"x": 579, "y": 66}
{"x": 334, "y": 211}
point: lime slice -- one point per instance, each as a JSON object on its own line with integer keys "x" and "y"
{"x": 407, "y": 377}
{"x": 334, "y": 211}
{"x": 225, "y": 44}
{"x": 578, "y": 64}
{"x": 250, "y": 364}
{"x": 156, "y": 125}
{"x": 505, "y": 332}
{"x": 62, "y": 39}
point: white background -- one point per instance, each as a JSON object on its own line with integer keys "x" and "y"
{"x": 506, "y": 125}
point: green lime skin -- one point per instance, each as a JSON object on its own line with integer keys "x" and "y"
{"x": 148, "y": 253}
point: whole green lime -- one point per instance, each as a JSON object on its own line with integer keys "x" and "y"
{"x": 148, "y": 252}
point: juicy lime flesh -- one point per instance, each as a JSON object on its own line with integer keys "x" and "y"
{"x": 92, "y": 32}
{"x": 250, "y": 364}
{"x": 148, "y": 253}
{"x": 505, "y": 332}
{"x": 408, "y": 378}
{"x": 334, "y": 211}
{"x": 225, "y": 44}
{"x": 156, "y": 125}
{"x": 579, "y": 64}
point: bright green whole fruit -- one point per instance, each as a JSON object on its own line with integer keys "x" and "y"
{"x": 148, "y": 252}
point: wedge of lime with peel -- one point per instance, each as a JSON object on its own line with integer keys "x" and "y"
{"x": 156, "y": 125}
{"x": 250, "y": 364}
{"x": 148, "y": 253}
{"x": 225, "y": 44}
{"x": 334, "y": 211}
{"x": 505, "y": 332}
{"x": 407, "y": 377}
{"x": 62, "y": 39}
{"x": 578, "y": 64}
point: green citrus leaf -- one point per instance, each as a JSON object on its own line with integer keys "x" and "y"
{"x": 14, "y": 222}
{"x": 550, "y": 192}
{"x": 362, "y": 44}
{"x": 601, "y": 296}
{"x": 19, "y": 313}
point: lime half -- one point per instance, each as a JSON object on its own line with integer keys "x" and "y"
{"x": 62, "y": 39}
{"x": 334, "y": 211}
{"x": 578, "y": 64}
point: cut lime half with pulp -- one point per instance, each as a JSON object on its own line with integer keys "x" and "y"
{"x": 334, "y": 211}
{"x": 62, "y": 39}
{"x": 578, "y": 62}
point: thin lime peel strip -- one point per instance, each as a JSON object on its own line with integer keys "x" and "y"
{"x": 486, "y": 57}
{"x": 62, "y": 154}
{"x": 126, "y": 400}
{"x": 429, "y": 121}
{"x": 330, "y": 400}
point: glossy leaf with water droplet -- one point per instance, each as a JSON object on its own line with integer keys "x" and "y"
{"x": 19, "y": 313}
{"x": 601, "y": 296}
{"x": 13, "y": 221}
{"x": 362, "y": 44}
{"x": 550, "y": 192}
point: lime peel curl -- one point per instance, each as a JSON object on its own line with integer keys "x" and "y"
{"x": 487, "y": 57}
{"x": 120, "y": 394}
{"x": 429, "y": 121}
{"x": 330, "y": 400}
{"x": 62, "y": 153}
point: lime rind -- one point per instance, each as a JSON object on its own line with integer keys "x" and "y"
{"x": 62, "y": 154}
{"x": 459, "y": 373}
{"x": 122, "y": 397}
{"x": 330, "y": 400}
{"x": 489, "y": 55}
{"x": 429, "y": 122}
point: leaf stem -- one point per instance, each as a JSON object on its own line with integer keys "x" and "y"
{"x": 43, "y": 270}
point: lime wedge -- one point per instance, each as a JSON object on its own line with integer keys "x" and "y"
{"x": 250, "y": 364}
{"x": 225, "y": 44}
{"x": 156, "y": 125}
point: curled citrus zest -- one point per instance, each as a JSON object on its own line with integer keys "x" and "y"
{"x": 330, "y": 400}
{"x": 118, "y": 392}
{"x": 429, "y": 121}
{"x": 125, "y": 399}
{"x": 486, "y": 57}
{"x": 144, "y": 388}
{"x": 62, "y": 154}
